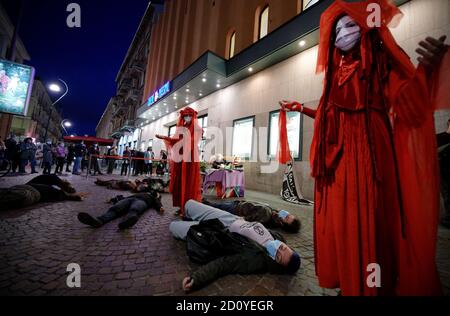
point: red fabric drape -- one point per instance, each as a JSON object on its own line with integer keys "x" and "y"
{"x": 185, "y": 174}
{"x": 377, "y": 192}
{"x": 283, "y": 152}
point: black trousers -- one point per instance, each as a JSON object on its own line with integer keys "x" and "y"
{"x": 47, "y": 168}
{"x": 60, "y": 164}
{"x": 130, "y": 207}
{"x": 124, "y": 170}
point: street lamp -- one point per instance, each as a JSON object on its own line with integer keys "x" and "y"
{"x": 66, "y": 123}
{"x": 55, "y": 87}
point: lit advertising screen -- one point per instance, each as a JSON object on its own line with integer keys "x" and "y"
{"x": 16, "y": 82}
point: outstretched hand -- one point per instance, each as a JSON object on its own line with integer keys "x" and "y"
{"x": 161, "y": 137}
{"x": 431, "y": 52}
{"x": 188, "y": 283}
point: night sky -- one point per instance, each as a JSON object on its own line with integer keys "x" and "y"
{"x": 87, "y": 58}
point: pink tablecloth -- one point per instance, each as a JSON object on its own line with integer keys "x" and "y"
{"x": 230, "y": 179}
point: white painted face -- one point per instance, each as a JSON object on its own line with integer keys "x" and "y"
{"x": 348, "y": 34}
{"x": 188, "y": 119}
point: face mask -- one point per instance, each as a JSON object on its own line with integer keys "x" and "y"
{"x": 188, "y": 119}
{"x": 283, "y": 214}
{"x": 272, "y": 248}
{"x": 348, "y": 34}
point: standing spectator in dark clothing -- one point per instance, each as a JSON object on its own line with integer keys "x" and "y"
{"x": 149, "y": 156}
{"x": 27, "y": 154}
{"x": 125, "y": 162}
{"x": 79, "y": 152}
{"x": 47, "y": 159}
{"x": 112, "y": 152}
{"x": 70, "y": 156}
{"x": 12, "y": 152}
{"x": 443, "y": 140}
{"x": 139, "y": 163}
{"x": 94, "y": 152}
{"x": 60, "y": 153}
{"x": 133, "y": 207}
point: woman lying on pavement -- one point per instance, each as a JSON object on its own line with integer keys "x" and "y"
{"x": 258, "y": 212}
{"x": 243, "y": 248}
{"x": 137, "y": 186}
{"x": 42, "y": 189}
{"x": 132, "y": 208}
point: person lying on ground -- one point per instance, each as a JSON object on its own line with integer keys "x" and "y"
{"x": 137, "y": 186}
{"x": 132, "y": 208}
{"x": 53, "y": 179}
{"x": 123, "y": 185}
{"x": 258, "y": 212}
{"x": 244, "y": 247}
{"x": 42, "y": 189}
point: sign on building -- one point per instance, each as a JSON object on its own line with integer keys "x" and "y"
{"x": 16, "y": 82}
{"x": 160, "y": 93}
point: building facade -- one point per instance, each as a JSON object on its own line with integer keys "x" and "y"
{"x": 119, "y": 119}
{"x": 21, "y": 55}
{"x": 234, "y": 68}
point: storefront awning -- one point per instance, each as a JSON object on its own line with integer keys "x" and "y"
{"x": 88, "y": 141}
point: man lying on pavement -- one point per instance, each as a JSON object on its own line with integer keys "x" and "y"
{"x": 258, "y": 212}
{"x": 245, "y": 247}
{"x": 132, "y": 208}
{"x": 42, "y": 189}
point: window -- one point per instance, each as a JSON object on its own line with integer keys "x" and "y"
{"x": 294, "y": 130}
{"x": 264, "y": 23}
{"x": 203, "y": 123}
{"x": 243, "y": 137}
{"x": 232, "y": 45}
{"x": 172, "y": 130}
{"x": 309, "y": 3}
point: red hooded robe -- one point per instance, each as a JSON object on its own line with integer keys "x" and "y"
{"x": 374, "y": 160}
{"x": 184, "y": 161}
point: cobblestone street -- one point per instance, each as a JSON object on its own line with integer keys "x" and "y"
{"x": 38, "y": 243}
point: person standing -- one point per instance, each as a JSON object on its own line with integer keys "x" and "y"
{"x": 374, "y": 126}
{"x": 185, "y": 164}
{"x": 47, "y": 157}
{"x": 125, "y": 161}
{"x": 149, "y": 156}
{"x": 12, "y": 152}
{"x": 60, "y": 153}
{"x": 27, "y": 155}
{"x": 70, "y": 157}
{"x": 112, "y": 152}
{"x": 94, "y": 153}
{"x": 79, "y": 151}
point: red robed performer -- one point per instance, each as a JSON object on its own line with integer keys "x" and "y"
{"x": 184, "y": 161}
{"x": 374, "y": 156}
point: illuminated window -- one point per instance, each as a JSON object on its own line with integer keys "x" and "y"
{"x": 264, "y": 23}
{"x": 203, "y": 123}
{"x": 232, "y": 45}
{"x": 243, "y": 137}
{"x": 294, "y": 130}
{"x": 309, "y": 3}
{"x": 172, "y": 130}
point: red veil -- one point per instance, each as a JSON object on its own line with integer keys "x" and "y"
{"x": 413, "y": 96}
{"x": 184, "y": 160}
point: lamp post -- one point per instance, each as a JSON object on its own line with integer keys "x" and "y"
{"x": 54, "y": 87}
{"x": 66, "y": 123}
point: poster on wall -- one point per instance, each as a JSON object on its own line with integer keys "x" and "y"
{"x": 16, "y": 82}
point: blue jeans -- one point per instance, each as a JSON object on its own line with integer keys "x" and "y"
{"x": 76, "y": 165}
{"x": 199, "y": 212}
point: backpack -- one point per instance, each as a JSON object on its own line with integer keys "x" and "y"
{"x": 208, "y": 241}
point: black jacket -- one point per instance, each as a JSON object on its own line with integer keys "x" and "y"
{"x": 240, "y": 256}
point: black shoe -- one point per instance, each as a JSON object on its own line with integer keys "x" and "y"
{"x": 89, "y": 220}
{"x": 128, "y": 223}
